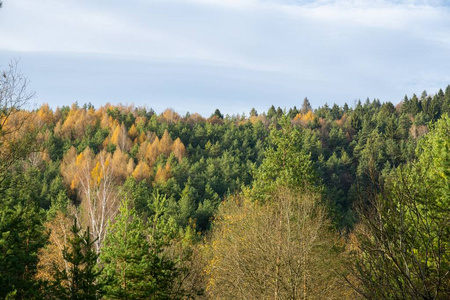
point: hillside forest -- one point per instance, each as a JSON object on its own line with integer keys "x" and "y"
{"x": 119, "y": 202}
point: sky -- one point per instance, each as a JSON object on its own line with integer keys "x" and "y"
{"x": 199, "y": 55}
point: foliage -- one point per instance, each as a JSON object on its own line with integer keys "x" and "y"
{"x": 176, "y": 170}
{"x": 134, "y": 260}
{"x": 79, "y": 280}
{"x": 404, "y": 239}
{"x": 281, "y": 249}
{"x": 21, "y": 236}
{"x": 286, "y": 163}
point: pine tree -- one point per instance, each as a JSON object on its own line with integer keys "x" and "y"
{"x": 187, "y": 204}
{"x": 80, "y": 280}
{"x": 21, "y": 236}
{"x": 306, "y": 106}
{"x": 133, "y": 256}
{"x": 125, "y": 255}
{"x": 286, "y": 163}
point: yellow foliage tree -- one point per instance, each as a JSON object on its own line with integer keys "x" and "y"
{"x": 304, "y": 119}
{"x": 92, "y": 178}
{"x": 162, "y": 174}
{"x": 142, "y": 152}
{"x": 120, "y": 138}
{"x": 69, "y": 168}
{"x": 133, "y": 133}
{"x": 51, "y": 256}
{"x": 130, "y": 167}
{"x": 279, "y": 250}
{"x": 142, "y": 171}
{"x": 194, "y": 119}
{"x": 45, "y": 115}
{"x": 76, "y": 122}
{"x": 178, "y": 149}
{"x": 164, "y": 146}
{"x": 142, "y": 138}
{"x": 119, "y": 163}
{"x": 152, "y": 152}
{"x": 170, "y": 116}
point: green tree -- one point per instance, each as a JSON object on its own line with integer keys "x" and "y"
{"x": 21, "y": 228}
{"x": 286, "y": 163}
{"x": 404, "y": 239}
{"x": 187, "y": 204}
{"x": 21, "y": 236}
{"x": 306, "y": 106}
{"x": 80, "y": 280}
{"x": 217, "y": 113}
{"x": 133, "y": 255}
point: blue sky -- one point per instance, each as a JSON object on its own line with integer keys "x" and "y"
{"x": 198, "y": 55}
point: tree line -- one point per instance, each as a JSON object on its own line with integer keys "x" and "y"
{"x": 119, "y": 202}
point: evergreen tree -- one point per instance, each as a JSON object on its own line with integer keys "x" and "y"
{"x": 135, "y": 266}
{"x": 271, "y": 112}
{"x": 21, "y": 236}
{"x": 217, "y": 113}
{"x": 286, "y": 163}
{"x": 79, "y": 281}
{"x": 187, "y": 203}
{"x": 306, "y": 106}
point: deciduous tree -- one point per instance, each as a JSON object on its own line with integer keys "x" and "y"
{"x": 279, "y": 250}
{"x": 403, "y": 240}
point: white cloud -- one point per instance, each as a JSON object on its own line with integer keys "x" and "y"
{"x": 353, "y": 48}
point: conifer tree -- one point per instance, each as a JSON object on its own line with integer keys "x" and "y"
{"x": 286, "y": 163}
{"x": 127, "y": 258}
{"x": 21, "y": 236}
{"x": 80, "y": 280}
{"x": 133, "y": 256}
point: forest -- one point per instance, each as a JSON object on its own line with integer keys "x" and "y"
{"x": 119, "y": 202}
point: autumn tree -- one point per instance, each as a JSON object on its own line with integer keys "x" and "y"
{"x": 178, "y": 149}
{"x": 304, "y": 118}
{"x": 119, "y": 163}
{"x": 51, "y": 256}
{"x": 93, "y": 178}
{"x": 162, "y": 174}
{"x": 152, "y": 151}
{"x": 279, "y": 250}
{"x": 15, "y": 143}
{"x": 170, "y": 116}
{"x": 77, "y": 122}
{"x": 21, "y": 229}
{"x": 120, "y": 138}
{"x": 165, "y": 144}
{"x": 100, "y": 203}
{"x": 142, "y": 171}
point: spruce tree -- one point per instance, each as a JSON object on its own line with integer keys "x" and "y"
{"x": 79, "y": 281}
{"x": 286, "y": 163}
{"x": 135, "y": 264}
{"x": 21, "y": 236}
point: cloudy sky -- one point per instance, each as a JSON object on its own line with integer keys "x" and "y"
{"x": 198, "y": 55}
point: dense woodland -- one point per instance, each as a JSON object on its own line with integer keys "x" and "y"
{"x": 119, "y": 202}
